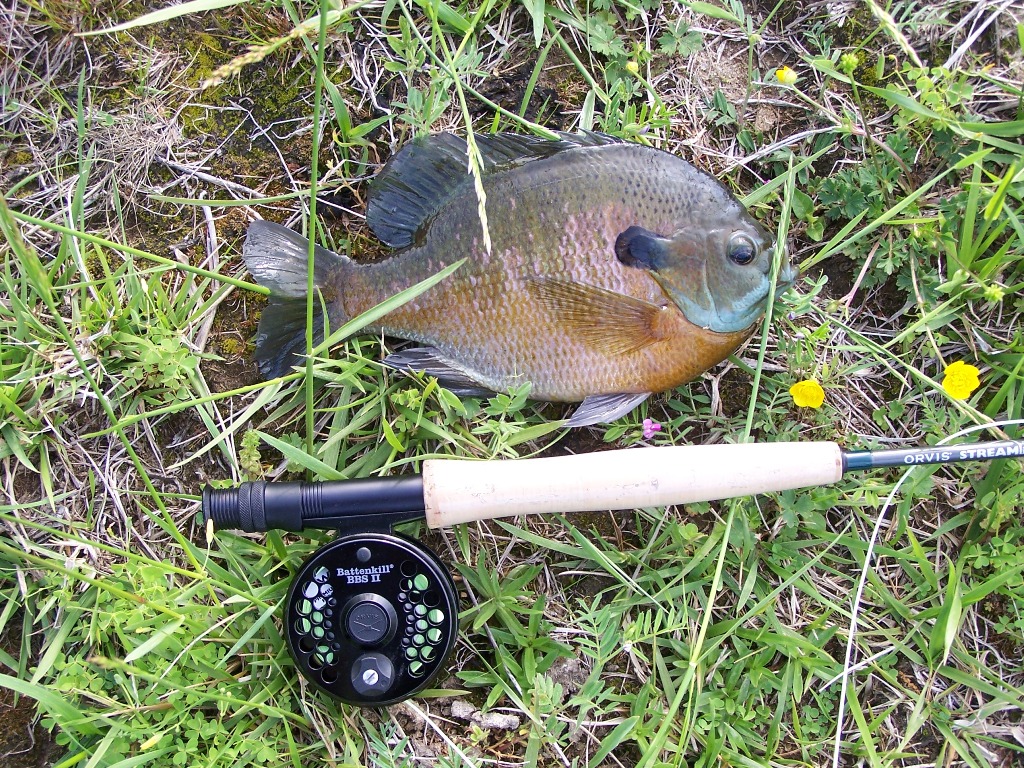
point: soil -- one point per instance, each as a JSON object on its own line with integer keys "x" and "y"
{"x": 24, "y": 743}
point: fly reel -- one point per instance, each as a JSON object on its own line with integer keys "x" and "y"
{"x": 371, "y": 618}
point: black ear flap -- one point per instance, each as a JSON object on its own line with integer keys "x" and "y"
{"x": 639, "y": 247}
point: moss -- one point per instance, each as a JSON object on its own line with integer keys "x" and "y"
{"x": 858, "y": 25}
{"x": 232, "y": 346}
{"x": 16, "y": 165}
{"x": 16, "y": 157}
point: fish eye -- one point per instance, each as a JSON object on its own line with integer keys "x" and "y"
{"x": 742, "y": 249}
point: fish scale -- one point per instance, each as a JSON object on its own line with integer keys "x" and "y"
{"x": 609, "y": 269}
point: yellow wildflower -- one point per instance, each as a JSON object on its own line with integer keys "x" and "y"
{"x": 785, "y": 75}
{"x": 960, "y": 379}
{"x": 633, "y": 67}
{"x": 807, "y": 394}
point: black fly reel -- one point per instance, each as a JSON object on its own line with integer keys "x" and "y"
{"x": 371, "y": 618}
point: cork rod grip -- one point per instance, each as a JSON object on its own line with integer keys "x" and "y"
{"x": 460, "y": 491}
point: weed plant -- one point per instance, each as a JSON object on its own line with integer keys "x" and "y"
{"x": 874, "y": 622}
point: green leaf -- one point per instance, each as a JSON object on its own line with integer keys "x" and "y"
{"x": 1005, "y": 692}
{"x": 906, "y": 102}
{"x": 51, "y": 702}
{"x": 947, "y": 624}
{"x": 534, "y": 432}
{"x": 714, "y": 11}
{"x": 55, "y": 647}
{"x": 302, "y": 458}
{"x": 690, "y": 43}
{"x": 1009, "y": 129}
{"x": 11, "y": 440}
{"x": 995, "y": 204}
{"x": 257, "y": 625}
{"x": 541, "y": 541}
{"x": 391, "y": 437}
{"x": 803, "y": 205}
{"x": 445, "y": 14}
{"x": 155, "y": 640}
{"x": 148, "y": 756}
{"x": 587, "y": 111}
{"x": 536, "y": 10}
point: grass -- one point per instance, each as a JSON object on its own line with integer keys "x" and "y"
{"x": 879, "y": 621}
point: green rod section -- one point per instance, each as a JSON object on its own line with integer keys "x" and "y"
{"x": 939, "y": 454}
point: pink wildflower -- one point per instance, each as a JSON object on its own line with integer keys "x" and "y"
{"x": 650, "y": 428}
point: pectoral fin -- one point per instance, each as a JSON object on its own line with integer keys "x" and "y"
{"x": 608, "y": 321}
{"x": 600, "y": 409}
{"x": 449, "y": 374}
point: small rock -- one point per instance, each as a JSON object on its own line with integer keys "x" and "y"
{"x": 491, "y": 720}
{"x": 463, "y": 710}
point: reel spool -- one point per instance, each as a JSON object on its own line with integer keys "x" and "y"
{"x": 371, "y": 618}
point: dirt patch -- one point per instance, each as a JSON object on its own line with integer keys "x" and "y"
{"x": 509, "y": 90}
{"x": 24, "y": 743}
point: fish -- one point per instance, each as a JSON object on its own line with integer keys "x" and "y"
{"x": 615, "y": 270}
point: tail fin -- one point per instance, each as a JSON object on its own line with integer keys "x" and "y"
{"x": 277, "y": 258}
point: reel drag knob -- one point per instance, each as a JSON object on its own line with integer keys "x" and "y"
{"x": 371, "y": 618}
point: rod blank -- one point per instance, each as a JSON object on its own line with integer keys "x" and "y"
{"x": 940, "y": 454}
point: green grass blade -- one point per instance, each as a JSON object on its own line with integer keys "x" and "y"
{"x": 166, "y": 14}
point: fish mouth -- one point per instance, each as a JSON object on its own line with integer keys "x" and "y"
{"x": 753, "y": 305}
{"x": 788, "y": 274}
{"x": 702, "y": 308}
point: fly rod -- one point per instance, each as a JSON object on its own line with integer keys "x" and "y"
{"x": 452, "y": 491}
{"x": 372, "y": 616}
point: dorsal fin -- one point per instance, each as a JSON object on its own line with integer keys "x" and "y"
{"x": 428, "y": 171}
{"x": 504, "y": 150}
{"x": 413, "y": 185}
